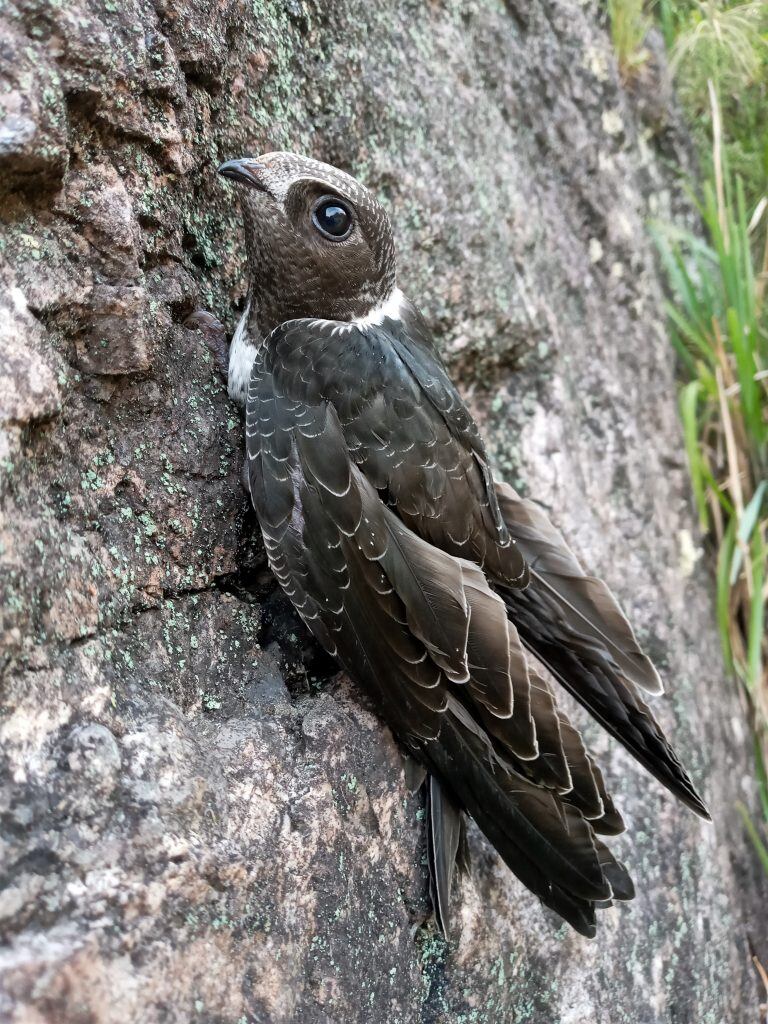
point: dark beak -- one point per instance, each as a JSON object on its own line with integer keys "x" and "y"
{"x": 250, "y": 172}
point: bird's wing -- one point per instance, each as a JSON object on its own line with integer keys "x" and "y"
{"x": 406, "y": 427}
{"x": 590, "y": 606}
{"x": 423, "y": 633}
{"x": 350, "y": 564}
{"x": 574, "y": 626}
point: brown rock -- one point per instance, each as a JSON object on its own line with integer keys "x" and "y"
{"x": 114, "y": 337}
{"x": 28, "y": 388}
{"x": 33, "y": 117}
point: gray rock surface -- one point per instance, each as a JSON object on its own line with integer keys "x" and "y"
{"x": 198, "y": 822}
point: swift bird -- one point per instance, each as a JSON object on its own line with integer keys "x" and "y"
{"x": 430, "y": 582}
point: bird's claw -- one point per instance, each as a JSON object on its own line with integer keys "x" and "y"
{"x": 214, "y": 334}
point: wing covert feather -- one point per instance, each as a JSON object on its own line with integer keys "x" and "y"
{"x": 405, "y": 426}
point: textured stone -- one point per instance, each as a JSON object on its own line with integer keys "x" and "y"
{"x": 33, "y": 129}
{"x": 198, "y": 820}
{"x": 114, "y": 340}
{"x": 28, "y": 388}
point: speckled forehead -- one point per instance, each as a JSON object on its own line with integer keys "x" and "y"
{"x": 287, "y": 168}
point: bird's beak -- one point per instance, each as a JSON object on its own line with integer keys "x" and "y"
{"x": 251, "y": 172}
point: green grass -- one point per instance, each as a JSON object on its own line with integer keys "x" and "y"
{"x": 630, "y": 25}
{"x": 721, "y": 42}
{"x": 721, "y": 45}
{"x": 717, "y": 312}
{"x": 719, "y": 327}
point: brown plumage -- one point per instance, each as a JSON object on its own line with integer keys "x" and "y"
{"x": 431, "y": 583}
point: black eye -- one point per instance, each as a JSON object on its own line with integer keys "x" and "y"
{"x": 332, "y": 219}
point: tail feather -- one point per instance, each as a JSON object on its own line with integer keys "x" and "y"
{"x": 445, "y": 829}
{"x": 605, "y": 694}
{"x": 586, "y": 774}
{"x": 545, "y": 841}
{"x": 622, "y": 886}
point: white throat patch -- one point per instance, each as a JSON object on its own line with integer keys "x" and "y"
{"x": 242, "y": 353}
{"x": 390, "y": 309}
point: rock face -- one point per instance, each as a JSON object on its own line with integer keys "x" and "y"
{"x": 199, "y": 822}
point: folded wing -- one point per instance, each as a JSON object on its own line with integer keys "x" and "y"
{"x": 574, "y": 626}
{"x": 424, "y": 633}
{"x": 405, "y": 426}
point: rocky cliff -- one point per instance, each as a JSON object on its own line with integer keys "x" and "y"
{"x": 199, "y": 821}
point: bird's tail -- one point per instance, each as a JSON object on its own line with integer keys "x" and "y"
{"x": 543, "y": 839}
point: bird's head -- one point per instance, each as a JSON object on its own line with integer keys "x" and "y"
{"x": 319, "y": 244}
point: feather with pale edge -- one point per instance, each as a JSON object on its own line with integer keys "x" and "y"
{"x": 574, "y": 626}
{"x": 411, "y": 568}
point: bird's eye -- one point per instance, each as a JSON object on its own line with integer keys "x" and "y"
{"x": 332, "y": 219}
